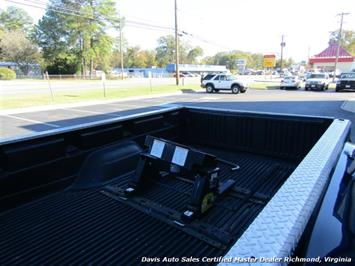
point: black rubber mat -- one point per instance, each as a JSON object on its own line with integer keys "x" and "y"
{"x": 88, "y": 227}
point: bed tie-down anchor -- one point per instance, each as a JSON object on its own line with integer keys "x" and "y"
{"x": 167, "y": 158}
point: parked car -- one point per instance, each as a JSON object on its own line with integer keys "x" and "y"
{"x": 207, "y": 77}
{"x": 307, "y": 75}
{"x": 346, "y": 82}
{"x": 118, "y": 73}
{"x": 224, "y": 82}
{"x": 248, "y": 72}
{"x": 188, "y": 74}
{"x": 181, "y": 75}
{"x": 317, "y": 81}
{"x": 290, "y": 82}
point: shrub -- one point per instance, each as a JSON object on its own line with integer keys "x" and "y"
{"x": 7, "y": 74}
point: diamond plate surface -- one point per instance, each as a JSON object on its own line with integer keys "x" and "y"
{"x": 277, "y": 229}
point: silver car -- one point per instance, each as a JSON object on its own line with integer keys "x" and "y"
{"x": 290, "y": 82}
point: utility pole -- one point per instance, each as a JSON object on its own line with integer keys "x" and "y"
{"x": 121, "y": 51}
{"x": 282, "y": 50}
{"x": 177, "y": 72}
{"x": 339, "y": 39}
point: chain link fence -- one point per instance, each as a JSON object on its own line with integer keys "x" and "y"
{"x": 62, "y": 89}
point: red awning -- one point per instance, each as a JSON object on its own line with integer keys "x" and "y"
{"x": 313, "y": 60}
{"x": 329, "y": 54}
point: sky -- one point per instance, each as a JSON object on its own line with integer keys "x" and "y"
{"x": 223, "y": 25}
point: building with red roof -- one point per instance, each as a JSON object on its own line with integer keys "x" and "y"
{"x": 325, "y": 60}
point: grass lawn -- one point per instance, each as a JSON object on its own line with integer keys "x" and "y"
{"x": 61, "y": 97}
{"x": 332, "y": 86}
{"x": 72, "y": 96}
{"x": 264, "y": 85}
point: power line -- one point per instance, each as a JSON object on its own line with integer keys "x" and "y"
{"x": 78, "y": 13}
{"x": 51, "y": 8}
{"x": 129, "y": 22}
{"x": 149, "y": 25}
{"x": 37, "y": 2}
{"x": 149, "y": 28}
{"x": 202, "y": 39}
{"x": 43, "y": 5}
{"x": 66, "y": 11}
{"x": 196, "y": 37}
{"x": 144, "y": 20}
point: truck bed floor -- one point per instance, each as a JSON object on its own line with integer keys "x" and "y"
{"x": 86, "y": 226}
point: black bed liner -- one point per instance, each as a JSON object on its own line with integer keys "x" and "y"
{"x": 54, "y": 212}
{"x": 86, "y": 226}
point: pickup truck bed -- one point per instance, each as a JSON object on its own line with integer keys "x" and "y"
{"x": 56, "y": 209}
{"x": 86, "y": 226}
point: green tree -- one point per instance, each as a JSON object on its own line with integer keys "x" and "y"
{"x": 208, "y": 60}
{"x": 96, "y": 44}
{"x": 17, "y": 48}
{"x": 135, "y": 57}
{"x": 115, "y": 58}
{"x": 256, "y": 61}
{"x": 15, "y": 19}
{"x": 347, "y": 40}
{"x": 193, "y": 54}
{"x": 165, "y": 51}
{"x": 85, "y": 36}
{"x": 63, "y": 64}
{"x": 150, "y": 58}
{"x": 223, "y": 58}
{"x": 1, "y": 34}
{"x": 52, "y": 35}
{"x": 132, "y": 57}
{"x": 229, "y": 59}
{"x": 286, "y": 62}
{"x": 57, "y": 40}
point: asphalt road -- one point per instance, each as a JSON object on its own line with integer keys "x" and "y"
{"x": 328, "y": 103}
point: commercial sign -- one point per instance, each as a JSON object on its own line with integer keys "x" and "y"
{"x": 241, "y": 62}
{"x": 269, "y": 60}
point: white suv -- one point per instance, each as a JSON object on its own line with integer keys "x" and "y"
{"x": 223, "y": 82}
{"x": 317, "y": 81}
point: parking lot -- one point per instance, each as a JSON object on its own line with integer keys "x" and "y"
{"x": 34, "y": 120}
